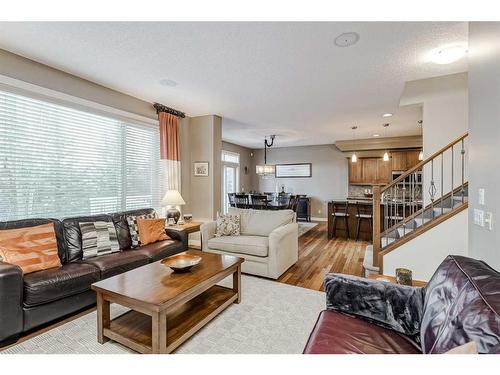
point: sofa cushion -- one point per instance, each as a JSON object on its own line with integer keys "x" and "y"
{"x": 160, "y": 250}
{"x": 73, "y": 234}
{"x": 121, "y": 225}
{"x": 335, "y": 333}
{"x": 250, "y": 245}
{"x": 462, "y": 304}
{"x": 116, "y": 263}
{"x": 261, "y": 222}
{"x": 49, "y": 285}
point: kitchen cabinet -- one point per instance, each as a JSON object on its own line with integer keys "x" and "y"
{"x": 398, "y": 160}
{"x": 369, "y": 170}
{"x": 356, "y": 172}
{"x": 412, "y": 158}
{"x": 384, "y": 172}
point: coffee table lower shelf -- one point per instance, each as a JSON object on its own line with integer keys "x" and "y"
{"x": 134, "y": 329}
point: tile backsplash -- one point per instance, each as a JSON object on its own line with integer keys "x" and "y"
{"x": 358, "y": 191}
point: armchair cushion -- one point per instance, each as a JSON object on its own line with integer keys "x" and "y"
{"x": 250, "y": 245}
{"x": 336, "y": 333}
{"x": 389, "y": 305}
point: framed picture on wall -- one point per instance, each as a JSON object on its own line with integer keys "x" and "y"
{"x": 200, "y": 168}
{"x": 293, "y": 170}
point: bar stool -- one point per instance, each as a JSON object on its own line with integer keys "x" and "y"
{"x": 340, "y": 211}
{"x": 363, "y": 212}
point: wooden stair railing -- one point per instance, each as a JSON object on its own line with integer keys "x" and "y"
{"x": 401, "y": 205}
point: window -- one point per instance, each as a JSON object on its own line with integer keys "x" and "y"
{"x": 56, "y": 161}
{"x": 230, "y": 157}
{"x": 230, "y": 176}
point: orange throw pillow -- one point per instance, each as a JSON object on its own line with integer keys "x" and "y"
{"x": 151, "y": 230}
{"x": 31, "y": 248}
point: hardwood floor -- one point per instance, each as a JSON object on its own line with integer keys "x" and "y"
{"x": 318, "y": 255}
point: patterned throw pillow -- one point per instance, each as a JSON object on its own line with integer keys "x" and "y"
{"x": 228, "y": 225}
{"x": 98, "y": 238}
{"x": 134, "y": 229}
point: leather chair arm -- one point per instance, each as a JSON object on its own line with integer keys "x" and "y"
{"x": 11, "y": 299}
{"x": 178, "y": 235}
{"x": 393, "y": 306}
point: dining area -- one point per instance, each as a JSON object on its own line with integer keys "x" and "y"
{"x": 299, "y": 203}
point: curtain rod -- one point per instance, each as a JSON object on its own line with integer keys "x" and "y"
{"x": 163, "y": 108}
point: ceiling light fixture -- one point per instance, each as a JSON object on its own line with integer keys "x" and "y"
{"x": 387, "y": 115}
{"x": 346, "y": 39}
{"x": 386, "y": 154}
{"x": 447, "y": 55}
{"x": 266, "y": 170}
{"x": 168, "y": 82}
{"x": 354, "y": 157}
{"x": 376, "y": 135}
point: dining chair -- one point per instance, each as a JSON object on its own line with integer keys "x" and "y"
{"x": 241, "y": 200}
{"x": 340, "y": 210}
{"x": 293, "y": 202}
{"x": 231, "y": 199}
{"x": 259, "y": 201}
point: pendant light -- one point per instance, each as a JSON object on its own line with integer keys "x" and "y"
{"x": 386, "y": 154}
{"x": 421, "y": 155}
{"x": 266, "y": 170}
{"x": 354, "y": 157}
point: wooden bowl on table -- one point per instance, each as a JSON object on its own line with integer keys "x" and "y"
{"x": 181, "y": 262}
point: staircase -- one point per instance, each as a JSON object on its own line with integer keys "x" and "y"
{"x": 433, "y": 191}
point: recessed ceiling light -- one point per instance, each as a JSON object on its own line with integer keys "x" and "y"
{"x": 376, "y": 135}
{"x": 347, "y": 39}
{"x": 447, "y": 55}
{"x": 387, "y": 115}
{"x": 168, "y": 82}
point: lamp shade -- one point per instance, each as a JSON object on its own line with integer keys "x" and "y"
{"x": 172, "y": 198}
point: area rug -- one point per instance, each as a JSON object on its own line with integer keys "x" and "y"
{"x": 271, "y": 318}
{"x": 305, "y": 227}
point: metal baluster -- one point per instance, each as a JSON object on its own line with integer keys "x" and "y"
{"x": 442, "y": 181}
{"x": 404, "y": 209}
{"x": 386, "y": 222}
{"x": 463, "y": 166}
{"x": 452, "y": 173}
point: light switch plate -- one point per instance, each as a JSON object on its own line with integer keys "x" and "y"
{"x": 479, "y": 217}
{"x": 480, "y": 196}
{"x": 488, "y": 220}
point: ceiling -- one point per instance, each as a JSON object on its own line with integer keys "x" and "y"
{"x": 286, "y": 78}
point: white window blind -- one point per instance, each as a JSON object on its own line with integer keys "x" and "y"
{"x": 57, "y": 161}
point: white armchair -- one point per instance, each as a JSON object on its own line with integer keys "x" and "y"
{"x": 268, "y": 241}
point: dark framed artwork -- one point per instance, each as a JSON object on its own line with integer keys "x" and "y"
{"x": 297, "y": 170}
{"x": 200, "y": 168}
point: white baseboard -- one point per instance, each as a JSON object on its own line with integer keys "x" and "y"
{"x": 319, "y": 219}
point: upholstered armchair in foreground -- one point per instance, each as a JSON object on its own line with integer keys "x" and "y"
{"x": 268, "y": 241}
{"x": 459, "y": 305}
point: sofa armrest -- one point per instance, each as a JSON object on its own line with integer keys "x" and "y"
{"x": 178, "y": 235}
{"x": 11, "y": 300}
{"x": 207, "y": 231}
{"x": 283, "y": 249}
{"x": 389, "y": 305}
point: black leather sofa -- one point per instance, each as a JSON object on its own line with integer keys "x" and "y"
{"x": 35, "y": 299}
{"x": 461, "y": 303}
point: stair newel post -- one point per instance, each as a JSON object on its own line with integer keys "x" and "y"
{"x": 376, "y": 227}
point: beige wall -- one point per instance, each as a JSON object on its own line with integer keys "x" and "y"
{"x": 484, "y": 116}
{"x": 329, "y": 174}
{"x": 246, "y": 161}
{"x": 201, "y": 141}
{"x": 18, "y": 67}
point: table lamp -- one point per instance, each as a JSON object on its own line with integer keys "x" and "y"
{"x": 173, "y": 199}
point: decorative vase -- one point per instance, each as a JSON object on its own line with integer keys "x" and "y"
{"x": 403, "y": 276}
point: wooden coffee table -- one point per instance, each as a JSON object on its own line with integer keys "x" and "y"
{"x": 167, "y": 308}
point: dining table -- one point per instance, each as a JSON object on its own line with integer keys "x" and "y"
{"x": 273, "y": 203}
